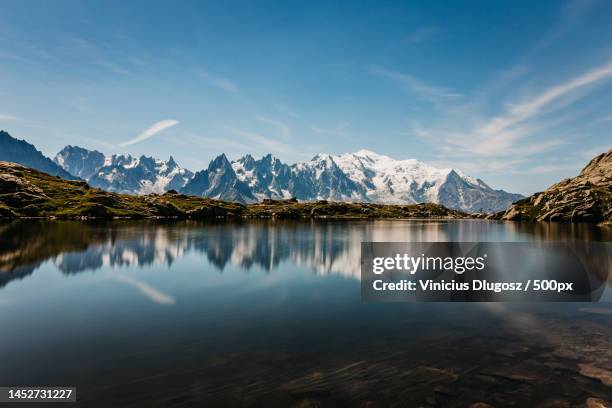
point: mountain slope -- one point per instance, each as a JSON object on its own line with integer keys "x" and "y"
{"x": 586, "y": 197}
{"x": 22, "y": 152}
{"x": 123, "y": 173}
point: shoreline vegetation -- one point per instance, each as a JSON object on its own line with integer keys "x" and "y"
{"x": 29, "y": 193}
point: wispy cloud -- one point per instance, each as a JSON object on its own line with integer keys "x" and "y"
{"x": 223, "y": 83}
{"x": 418, "y": 87}
{"x": 283, "y": 129}
{"x": 476, "y": 138}
{"x": 14, "y": 57}
{"x": 8, "y": 118}
{"x": 339, "y": 130}
{"x": 79, "y": 103}
{"x": 570, "y": 14}
{"x": 520, "y": 112}
{"x": 285, "y": 109}
{"x": 554, "y": 168}
{"x": 588, "y": 154}
{"x": 257, "y": 143}
{"x": 106, "y": 145}
{"x": 151, "y": 131}
{"x": 269, "y": 144}
{"x": 93, "y": 53}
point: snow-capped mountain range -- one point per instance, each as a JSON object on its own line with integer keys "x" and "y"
{"x": 363, "y": 176}
{"x": 366, "y": 176}
{"x": 123, "y": 173}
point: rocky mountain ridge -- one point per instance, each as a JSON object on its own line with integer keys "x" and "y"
{"x": 586, "y": 197}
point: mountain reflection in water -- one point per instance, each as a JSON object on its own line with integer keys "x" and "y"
{"x": 325, "y": 247}
{"x": 268, "y": 313}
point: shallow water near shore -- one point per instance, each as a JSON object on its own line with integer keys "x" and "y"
{"x": 265, "y": 313}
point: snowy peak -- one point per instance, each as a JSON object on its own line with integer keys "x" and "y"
{"x": 395, "y": 181}
{"x": 321, "y": 178}
{"x": 267, "y": 177}
{"x": 220, "y": 164}
{"x": 80, "y": 162}
{"x": 123, "y": 173}
{"x": 411, "y": 181}
{"x": 219, "y": 181}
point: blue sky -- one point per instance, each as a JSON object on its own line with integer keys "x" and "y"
{"x": 516, "y": 93}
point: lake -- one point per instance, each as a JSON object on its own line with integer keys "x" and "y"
{"x": 269, "y": 313}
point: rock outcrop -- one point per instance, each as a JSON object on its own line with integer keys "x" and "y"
{"x": 584, "y": 198}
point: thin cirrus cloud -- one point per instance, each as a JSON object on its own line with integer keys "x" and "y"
{"x": 339, "y": 130}
{"x": 528, "y": 109}
{"x": 505, "y": 133}
{"x": 510, "y": 140}
{"x": 151, "y": 131}
{"x": 420, "y": 88}
{"x": 223, "y": 83}
{"x": 8, "y": 118}
{"x": 270, "y": 144}
{"x": 94, "y": 54}
{"x": 283, "y": 129}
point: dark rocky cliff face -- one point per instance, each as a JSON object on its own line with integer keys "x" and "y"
{"x": 586, "y": 197}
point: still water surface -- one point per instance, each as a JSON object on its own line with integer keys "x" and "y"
{"x": 269, "y": 314}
